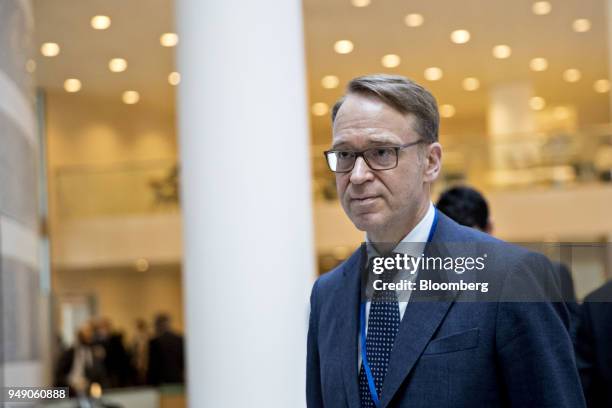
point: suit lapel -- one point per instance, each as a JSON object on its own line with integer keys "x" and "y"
{"x": 350, "y": 296}
{"x": 420, "y": 322}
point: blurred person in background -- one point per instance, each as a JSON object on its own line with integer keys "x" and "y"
{"x": 140, "y": 351}
{"x": 467, "y": 207}
{"x": 594, "y": 347}
{"x": 166, "y": 355}
{"x": 116, "y": 358}
{"x": 82, "y": 364}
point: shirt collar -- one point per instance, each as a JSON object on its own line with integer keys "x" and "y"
{"x": 414, "y": 242}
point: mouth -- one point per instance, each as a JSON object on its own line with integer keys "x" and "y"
{"x": 364, "y": 200}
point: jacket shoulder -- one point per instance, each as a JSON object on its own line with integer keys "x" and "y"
{"x": 503, "y": 258}
{"x": 449, "y": 231}
{"x": 331, "y": 279}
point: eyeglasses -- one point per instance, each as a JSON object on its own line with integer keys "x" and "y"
{"x": 377, "y": 158}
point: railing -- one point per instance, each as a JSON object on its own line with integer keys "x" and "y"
{"x": 120, "y": 189}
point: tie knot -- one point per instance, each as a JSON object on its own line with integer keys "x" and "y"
{"x": 389, "y": 275}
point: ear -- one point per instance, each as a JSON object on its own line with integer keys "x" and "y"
{"x": 490, "y": 226}
{"x": 433, "y": 162}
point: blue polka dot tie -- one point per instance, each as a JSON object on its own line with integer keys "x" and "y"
{"x": 383, "y": 325}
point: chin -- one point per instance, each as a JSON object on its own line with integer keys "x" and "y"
{"x": 367, "y": 222}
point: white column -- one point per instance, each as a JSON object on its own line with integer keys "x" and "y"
{"x": 246, "y": 201}
{"x": 508, "y": 116}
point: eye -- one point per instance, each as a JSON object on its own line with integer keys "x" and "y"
{"x": 383, "y": 152}
{"x": 344, "y": 155}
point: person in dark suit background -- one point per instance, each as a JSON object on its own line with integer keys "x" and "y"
{"x": 393, "y": 353}
{"x": 166, "y": 355}
{"x": 116, "y": 358}
{"x": 593, "y": 347}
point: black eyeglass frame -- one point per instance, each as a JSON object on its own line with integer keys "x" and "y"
{"x": 360, "y": 153}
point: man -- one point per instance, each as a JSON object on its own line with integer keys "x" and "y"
{"x": 593, "y": 342}
{"x": 166, "y": 355}
{"x": 418, "y": 353}
{"x": 116, "y": 358}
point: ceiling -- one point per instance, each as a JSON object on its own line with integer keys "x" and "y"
{"x": 133, "y": 35}
{"x": 376, "y": 30}
{"x": 379, "y": 29}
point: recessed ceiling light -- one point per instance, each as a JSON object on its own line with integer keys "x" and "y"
{"x": 50, "y": 49}
{"x": 502, "y": 51}
{"x": 174, "y": 78}
{"x": 572, "y": 75}
{"x": 343, "y": 46}
{"x": 390, "y": 61}
{"x": 460, "y": 36}
{"x": 414, "y": 20}
{"x": 538, "y": 64}
{"x": 30, "y": 66}
{"x": 447, "y": 111}
{"x": 117, "y": 65}
{"x": 330, "y": 82}
{"x": 470, "y": 84}
{"x": 319, "y": 109}
{"x": 433, "y": 74}
{"x": 537, "y": 103}
{"x": 360, "y": 3}
{"x": 601, "y": 86}
{"x": 581, "y": 25}
{"x": 169, "y": 39}
{"x": 72, "y": 85}
{"x": 541, "y": 8}
{"x": 130, "y": 97}
{"x": 100, "y": 22}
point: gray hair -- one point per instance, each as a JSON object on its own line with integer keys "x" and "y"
{"x": 403, "y": 95}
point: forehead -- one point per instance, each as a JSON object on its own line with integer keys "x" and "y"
{"x": 364, "y": 119}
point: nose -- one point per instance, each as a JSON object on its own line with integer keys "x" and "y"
{"x": 361, "y": 172}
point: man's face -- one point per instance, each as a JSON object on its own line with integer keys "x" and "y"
{"x": 378, "y": 201}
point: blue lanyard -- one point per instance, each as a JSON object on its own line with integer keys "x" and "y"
{"x": 362, "y": 319}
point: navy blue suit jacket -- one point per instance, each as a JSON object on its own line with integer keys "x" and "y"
{"x": 448, "y": 353}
